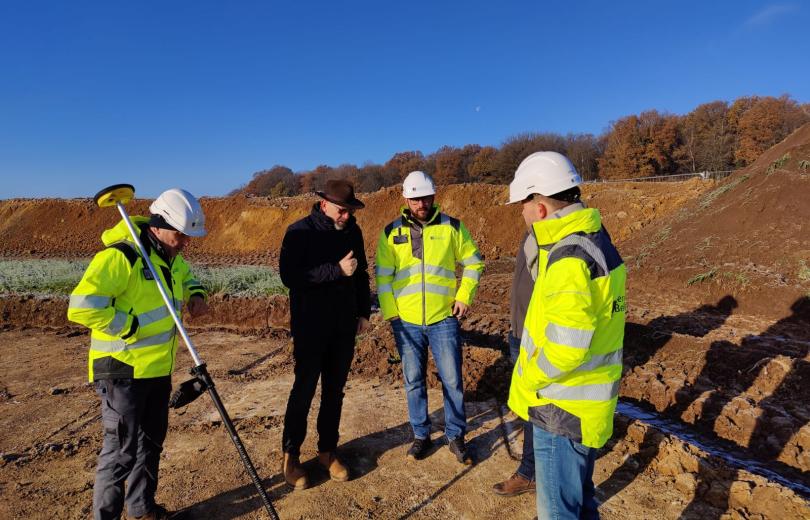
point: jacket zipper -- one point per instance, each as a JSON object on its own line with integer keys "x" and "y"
{"x": 424, "y": 296}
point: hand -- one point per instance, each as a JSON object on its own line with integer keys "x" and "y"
{"x": 362, "y": 326}
{"x": 459, "y": 309}
{"x": 348, "y": 264}
{"x": 197, "y": 306}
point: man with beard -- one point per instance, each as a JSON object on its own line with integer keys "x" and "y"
{"x": 324, "y": 265}
{"x": 416, "y": 281}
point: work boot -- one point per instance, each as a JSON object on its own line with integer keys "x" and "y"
{"x": 419, "y": 449}
{"x": 158, "y": 513}
{"x": 294, "y": 473}
{"x": 337, "y": 471}
{"x": 461, "y": 452}
{"x": 515, "y": 485}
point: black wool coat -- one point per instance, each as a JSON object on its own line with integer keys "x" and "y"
{"x": 321, "y": 298}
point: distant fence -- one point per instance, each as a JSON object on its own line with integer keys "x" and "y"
{"x": 715, "y": 175}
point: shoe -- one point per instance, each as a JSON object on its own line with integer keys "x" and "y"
{"x": 419, "y": 449}
{"x": 461, "y": 452}
{"x": 515, "y": 485}
{"x": 293, "y": 472}
{"x": 337, "y": 470}
{"x": 158, "y": 513}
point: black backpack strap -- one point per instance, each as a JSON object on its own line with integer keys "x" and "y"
{"x": 129, "y": 251}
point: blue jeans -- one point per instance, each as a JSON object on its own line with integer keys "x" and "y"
{"x": 564, "y": 472}
{"x": 445, "y": 343}
{"x": 526, "y": 468}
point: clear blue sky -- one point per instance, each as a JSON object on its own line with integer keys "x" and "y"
{"x": 202, "y": 94}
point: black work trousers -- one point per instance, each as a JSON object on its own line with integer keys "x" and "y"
{"x": 135, "y": 418}
{"x": 325, "y": 353}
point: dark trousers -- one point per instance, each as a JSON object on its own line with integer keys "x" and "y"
{"x": 135, "y": 417}
{"x": 526, "y": 468}
{"x": 318, "y": 354}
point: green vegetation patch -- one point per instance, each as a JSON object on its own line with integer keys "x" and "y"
{"x": 702, "y": 277}
{"x": 59, "y": 277}
{"x": 804, "y": 271}
{"x": 777, "y": 164}
{"x": 652, "y": 245}
{"x": 710, "y": 197}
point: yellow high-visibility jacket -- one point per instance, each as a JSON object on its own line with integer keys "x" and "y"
{"x": 416, "y": 278}
{"x": 133, "y": 334}
{"x": 566, "y": 379}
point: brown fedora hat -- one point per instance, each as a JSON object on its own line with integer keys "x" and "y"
{"x": 341, "y": 192}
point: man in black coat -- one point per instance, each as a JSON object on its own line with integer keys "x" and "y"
{"x": 323, "y": 262}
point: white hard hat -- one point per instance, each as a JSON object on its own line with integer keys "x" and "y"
{"x": 544, "y": 173}
{"x": 417, "y": 184}
{"x": 181, "y": 210}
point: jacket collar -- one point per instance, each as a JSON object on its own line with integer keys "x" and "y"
{"x": 563, "y": 223}
{"x": 408, "y": 217}
{"x": 324, "y": 223}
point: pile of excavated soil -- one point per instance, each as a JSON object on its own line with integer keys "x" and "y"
{"x": 703, "y": 369}
{"x": 249, "y": 230}
{"x": 745, "y": 238}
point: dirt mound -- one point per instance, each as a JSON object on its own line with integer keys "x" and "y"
{"x": 745, "y": 237}
{"x": 248, "y": 230}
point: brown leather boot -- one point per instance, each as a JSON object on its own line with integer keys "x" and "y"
{"x": 294, "y": 473}
{"x": 337, "y": 471}
{"x": 513, "y": 486}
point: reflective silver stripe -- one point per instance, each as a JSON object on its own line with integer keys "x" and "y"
{"x": 383, "y": 271}
{"x": 429, "y": 269}
{"x": 440, "y": 271}
{"x": 570, "y": 337}
{"x": 527, "y": 342}
{"x": 597, "y": 361}
{"x": 519, "y": 369}
{"x": 444, "y": 219}
{"x": 116, "y": 326}
{"x": 147, "y": 318}
{"x": 89, "y": 301}
{"x": 429, "y": 288}
{"x": 596, "y": 392}
{"x": 384, "y": 288}
{"x": 471, "y": 274}
{"x": 587, "y": 245}
{"x": 545, "y": 365}
{"x": 121, "y": 346}
{"x": 474, "y": 259}
{"x": 602, "y": 360}
{"x": 408, "y": 272}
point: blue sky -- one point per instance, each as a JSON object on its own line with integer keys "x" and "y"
{"x": 202, "y": 94}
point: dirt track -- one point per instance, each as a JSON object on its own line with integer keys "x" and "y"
{"x": 51, "y": 436}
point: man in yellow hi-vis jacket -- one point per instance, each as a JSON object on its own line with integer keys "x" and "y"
{"x": 416, "y": 283}
{"x": 566, "y": 378}
{"x": 133, "y": 342}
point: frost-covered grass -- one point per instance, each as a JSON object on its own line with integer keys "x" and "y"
{"x": 40, "y": 276}
{"x": 59, "y": 277}
{"x": 240, "y": 280}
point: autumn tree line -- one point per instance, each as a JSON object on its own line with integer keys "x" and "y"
{"x": 714, "y": 136}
